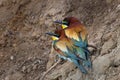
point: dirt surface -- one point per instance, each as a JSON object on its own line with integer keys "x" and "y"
{"x": 24, "y": 47}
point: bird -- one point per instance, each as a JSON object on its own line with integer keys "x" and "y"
{"x": 66, "y": 49}
{"x": 77, "y": 32}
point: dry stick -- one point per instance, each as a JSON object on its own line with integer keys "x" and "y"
{"x": 38, "y": 77}
{"x": 89, "y": 45}
{"x": 42, "y": 78}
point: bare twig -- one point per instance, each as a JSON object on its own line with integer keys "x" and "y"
{"x": 89, "y": 45}
{"x": 43, "y": 76}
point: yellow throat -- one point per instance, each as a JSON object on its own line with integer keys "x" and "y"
{"x": 54, "y": 38}
{"x": 64, "y": 26}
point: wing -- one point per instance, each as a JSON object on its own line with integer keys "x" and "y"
{"x": 65, "y": 47}
{"x": 84, "y": 53}
{"x": 78, "y": 34}
{"x": 70, "y": 33}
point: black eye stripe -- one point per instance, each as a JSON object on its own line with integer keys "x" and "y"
{"x": 57, "y": 35}
{"x": 65, "y": 22}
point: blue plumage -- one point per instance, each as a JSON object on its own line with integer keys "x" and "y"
{"x": 71, "y": 43}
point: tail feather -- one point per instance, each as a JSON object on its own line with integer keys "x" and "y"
{"x": 80, "y": 66}
{"x": 85, "y": 54}
{"x": 87, "y": 63}
{"x": 80, "y": 43}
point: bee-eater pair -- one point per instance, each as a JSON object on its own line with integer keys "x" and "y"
{"x": 71, "y": 43}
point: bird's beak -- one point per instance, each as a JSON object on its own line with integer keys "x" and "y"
{"x": 58, "y": 21}
{"x": 54, "y": 36}
{"x": 50, "y": 33}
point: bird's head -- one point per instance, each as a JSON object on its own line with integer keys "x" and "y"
{"x": 67, "y": 21}
{"x": 64, "y": 23}
{"x": 53, "y": 35}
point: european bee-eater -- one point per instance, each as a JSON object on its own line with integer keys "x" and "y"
{"x": 67, "y": 50}
{"x": 77, "y": 32}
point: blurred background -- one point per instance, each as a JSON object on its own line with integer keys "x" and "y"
{"x": 25, "y": 49}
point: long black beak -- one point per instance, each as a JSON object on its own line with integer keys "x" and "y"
{"x": 52, "y": 34}
{"x": 58, "y": 21}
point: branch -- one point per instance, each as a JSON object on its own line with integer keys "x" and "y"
{"x": 43, "y": 76}
{"x": 89, "y": 45}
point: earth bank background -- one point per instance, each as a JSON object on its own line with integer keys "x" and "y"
{"x": 25, "y": 49}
